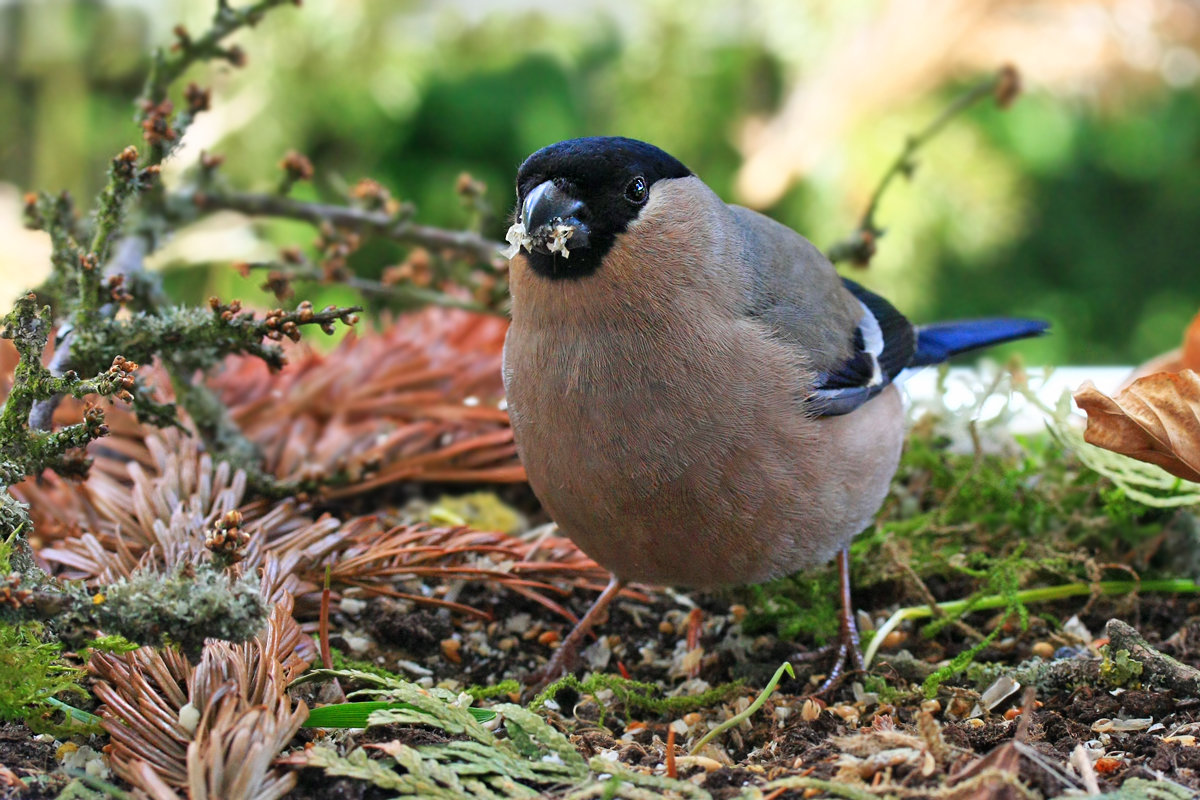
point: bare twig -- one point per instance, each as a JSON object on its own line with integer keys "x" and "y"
{"x": 464, "y": 243}
{"x": 407, "y": 293}
{"x": 859, "y": 246}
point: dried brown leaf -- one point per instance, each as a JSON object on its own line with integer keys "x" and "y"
{"x": 1156, "y": 419}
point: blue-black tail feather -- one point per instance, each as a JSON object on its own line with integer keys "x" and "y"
{"x": 938, "y": 342}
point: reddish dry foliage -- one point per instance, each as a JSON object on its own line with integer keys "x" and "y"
{"x": 421, "y": 400}
{"x": 242, "y": 714}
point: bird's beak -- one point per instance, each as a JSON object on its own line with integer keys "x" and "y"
{"x": 547, "y": 206}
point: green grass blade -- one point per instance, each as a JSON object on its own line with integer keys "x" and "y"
{"x": 354, "y": 715}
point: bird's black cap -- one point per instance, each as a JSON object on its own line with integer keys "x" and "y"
{"x": 601, "y": 173}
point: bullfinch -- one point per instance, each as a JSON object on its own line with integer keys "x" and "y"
{"x": 697, "y": 397}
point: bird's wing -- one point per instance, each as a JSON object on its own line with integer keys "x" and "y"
{"x": 884, "y": 343}
{"x": 854, "y": 340}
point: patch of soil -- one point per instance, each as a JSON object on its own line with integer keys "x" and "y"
{"x": 419, "y": 632}
{"x": 27, "y": 758}
{"x": 314, "y": 784}
{"x": 646, "y": 638}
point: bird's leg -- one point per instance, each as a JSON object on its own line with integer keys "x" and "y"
{"x": 849, "y": 630}
{"x": 567, "y": 655}
{"x": 848, "y": 647}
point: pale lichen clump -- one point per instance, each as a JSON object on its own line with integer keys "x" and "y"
{"x": 554, "y": 238}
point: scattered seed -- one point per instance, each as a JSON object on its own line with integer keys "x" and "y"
{"x": 1106, "y": 725}
{"x": 958, "y": 708}
{"x": 848, "y": 713}
{"x": 1043, "y": 650}
{"x": 708, "y": 764}
{"x": 451, "y": 649}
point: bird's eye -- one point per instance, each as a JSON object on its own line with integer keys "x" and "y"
{"x": 636, "y": 191}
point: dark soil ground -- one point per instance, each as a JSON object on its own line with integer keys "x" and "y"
{"x": 849, "y": 735}
{"x": 833, "y": 738}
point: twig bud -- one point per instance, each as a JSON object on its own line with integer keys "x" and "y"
{"x": 236, "y": 56}
{"x": 183, "y": 39}
{"x": 197, "y": 98}
{"x": 297, "y": 166}
{"x": 1008, "y": 86}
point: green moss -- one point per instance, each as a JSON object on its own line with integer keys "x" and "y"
{"x": 636, "y": 697}
{"x": 958, "y": 664}
{"x": 879, "y": 686}
{"x": 340, "y": 661}
{"x": 32, "y": 671}
{"x": 503, "y": 689}
{"x": 802, "y": 605}
{"x": 112, "y": 644}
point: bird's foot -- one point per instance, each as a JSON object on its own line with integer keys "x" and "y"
{"x": 848, "y": 650}
{"x": 846, "y": 655}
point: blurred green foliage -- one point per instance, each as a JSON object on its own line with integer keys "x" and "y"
{"x": 1081, "y": 213}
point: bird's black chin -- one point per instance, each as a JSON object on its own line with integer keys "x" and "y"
{"x": 555, "y": 266}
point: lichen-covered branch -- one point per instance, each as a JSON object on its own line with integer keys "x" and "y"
{"x": 1157, "y": 669}
{"x": 27, "y": 451}
{"x": 161, "y": 131}
{"x": 124, "y": 178}
{"x": 183, "y": 608}
{"x": 55, "y": 214}
{"x": 97, "y": 272}
{"x": 189, "y": 339}
{"x": 169, "y": 67}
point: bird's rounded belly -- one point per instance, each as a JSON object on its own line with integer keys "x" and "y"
{"x": 679, "y": 476}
